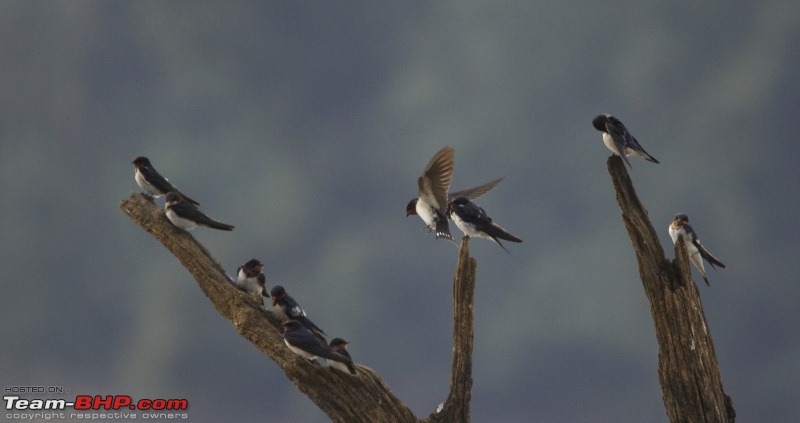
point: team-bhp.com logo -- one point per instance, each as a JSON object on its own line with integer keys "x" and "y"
{"x": 28, "y": 408}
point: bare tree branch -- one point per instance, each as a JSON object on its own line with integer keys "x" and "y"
{"x": 344, "y": 398}
{"x": 691, "y": 382}
{"x": 456, "y": 407}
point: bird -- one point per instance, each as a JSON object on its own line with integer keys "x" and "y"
{"x": 680, "y": 226}
{"x": 247, "y": 273}
{"x": 186, "y": 216}
{"x": 473, "y": 221}
{"x": 434, "y": 184}
{"x": 305, "y": 344}
{"x": 250, "y": 279}
{"x": 152, "y": 182}
{"x": 339, "y": 345}
{"x": 287, "y": 309}
{"x": 617, "y": 138}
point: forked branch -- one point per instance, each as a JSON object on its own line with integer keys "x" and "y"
{"x": 691, "y": 382}
{"x": 344, "y": 398}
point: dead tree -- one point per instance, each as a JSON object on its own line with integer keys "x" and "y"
{"x": 687, "y": 364}
{"x": 344, "y": 398}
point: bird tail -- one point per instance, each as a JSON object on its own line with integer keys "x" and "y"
{"x": 713, "y": 261}
{"x": 219, "y": 225}
{"x": 496, "y": 231}
{"x": 625, "y": 159}
{"x": 443, "y": 229}
{"x": 497, "y": 241}
{"x": 649, "y": 158}
{"x": 697, "y": 261}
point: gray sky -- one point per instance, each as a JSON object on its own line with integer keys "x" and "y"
{"x": 306, "y": 126}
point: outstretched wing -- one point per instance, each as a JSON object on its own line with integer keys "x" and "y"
{"x": 475, "y": 192}
{"x": 435, "y": 181}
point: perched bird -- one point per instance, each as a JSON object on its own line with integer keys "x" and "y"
{"x": 250, "y": 279}
{"x": 617, "y": 138}
{"x": 152, "y": 182}
{"x": 431, "y": 205}
{"x": 473, "y": 221}
{"x": 287, "y": 309}
{"x": 303, "y": 343}
{"x": 339, "y": 345}
{"x": 247, "y": 276}
{"x": 680, "y": 226}
{"x": 186, "y": 216}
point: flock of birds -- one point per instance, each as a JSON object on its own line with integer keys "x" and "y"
{"x": 300, "y": 334}
{"x": 434, "y": 205}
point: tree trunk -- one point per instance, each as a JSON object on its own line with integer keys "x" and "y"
{"x": 687, "y": 364}
{"x": 344, "y": 398}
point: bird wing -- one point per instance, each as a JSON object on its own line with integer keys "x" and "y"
{"x": 303, "y": 339}
{"x": 293, "y": 311}
{"x": 475, "y": 192}
{"x": 435, "y": 181}
{"x": 620, "y": 135}
{"x": 155, "y": 179}
{"x": 189, "y": 211}
{"x": 161, "y": 183}
{"x": 628, "y": 140}
{"x": 474, "y": 213}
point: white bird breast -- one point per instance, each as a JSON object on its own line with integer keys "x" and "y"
{"x": 179, "y": 221}
{"x": 146, "y": 185}
{"x": 425, "y": 212}
{"x": 467, "y": 228}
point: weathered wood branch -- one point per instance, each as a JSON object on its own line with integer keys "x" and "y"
{"x": 344, "y": 398}
{"x": 691, "y": 382}
{"x": 456, "y": 407}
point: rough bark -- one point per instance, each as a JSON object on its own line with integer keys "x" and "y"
{"x": 456, "y": 407}
{"x": 344, "y": 398}
{"x": 691, "y": 382}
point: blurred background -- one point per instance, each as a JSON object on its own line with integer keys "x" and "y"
{"x": 307, "y": 124}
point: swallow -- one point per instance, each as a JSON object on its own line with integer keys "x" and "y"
{"x": 473, "y": 221}
{"x": 339, "y": 345}
{"x": 434, "y": 184}
{"x": 152, "y": 182}
{"x": 680, "y": 226}
{"x": 617, "y": 138}
{"x": 250, "y": 279}
{"x": 305, "y": 344}
{"x": 287, "y": 309}
{"x": 186, "y": 216}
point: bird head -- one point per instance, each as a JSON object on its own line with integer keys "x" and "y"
{"x": 411, "y": 208}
